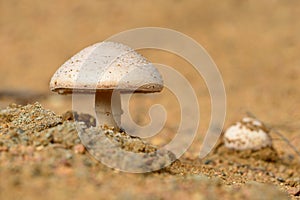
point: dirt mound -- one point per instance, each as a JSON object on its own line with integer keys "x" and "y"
{"x": 41, "y": 151}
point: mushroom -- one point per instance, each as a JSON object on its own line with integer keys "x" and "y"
{"x": 107, "y": 69}
{"x": 247, "y": 134}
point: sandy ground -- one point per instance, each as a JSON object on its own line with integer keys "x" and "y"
{"x": 255, "y": 45}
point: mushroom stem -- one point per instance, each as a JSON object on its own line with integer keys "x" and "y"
{"x": 108, "y": 108}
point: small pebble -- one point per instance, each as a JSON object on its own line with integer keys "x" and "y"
{"x": 79, "y": 149}
{"x": 280, "y": 179}
{"x": 39, "y": 148}
{"x": 69, "y": 156}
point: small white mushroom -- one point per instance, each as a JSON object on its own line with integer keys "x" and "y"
{"x": 108, "y": 69}
{"x": 247, "y": 134}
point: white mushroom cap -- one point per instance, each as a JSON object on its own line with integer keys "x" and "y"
{"x": 246, "y": 134}
{"x": 107, "y": 66}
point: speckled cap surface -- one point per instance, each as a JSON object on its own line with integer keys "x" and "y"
{"x": 107, "y": 66}
{"x": 247, "y": 134}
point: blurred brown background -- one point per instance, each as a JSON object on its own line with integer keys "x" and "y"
{"x": 255, "y": 44}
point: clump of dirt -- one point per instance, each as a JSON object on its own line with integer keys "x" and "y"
{"x": 117, "y": 148}
{"x": 268, "y": 154}
{"x": 30, "y": 117}
{"x": 87, "y": 119}
{"x": 122, "y": 151}
{"x": 50, "y": 154}
{"x": 40, "y": 128}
